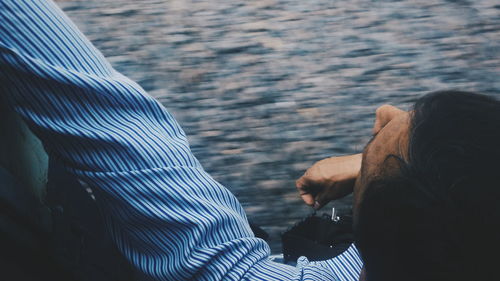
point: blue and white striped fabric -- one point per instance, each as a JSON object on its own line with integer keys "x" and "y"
{"x": 165, "y": 213}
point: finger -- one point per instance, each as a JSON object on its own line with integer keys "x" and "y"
{"x": 337, "y": 191}
{"x": 306, "y": 196}
{"x": 308, "y": 199}
{"x": 322, "y": 199}
{"x": 300, "y": 182}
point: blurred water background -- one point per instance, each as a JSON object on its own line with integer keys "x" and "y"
{"x": 264, "y": 88}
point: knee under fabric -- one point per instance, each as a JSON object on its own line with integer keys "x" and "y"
{"x": 22, "y": 153}
{"x": 24, "y": 238}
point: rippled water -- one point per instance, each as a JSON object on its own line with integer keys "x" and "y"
{"x": 264, "y": 88}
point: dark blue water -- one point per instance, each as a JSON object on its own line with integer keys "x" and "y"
{"x": 265, "y": 88}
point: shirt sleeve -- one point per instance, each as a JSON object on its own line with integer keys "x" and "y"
{"x": 167, "y": 216}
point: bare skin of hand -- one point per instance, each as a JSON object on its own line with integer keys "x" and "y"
{"x": 384, "y": 115}
{"x": 329, "y": 179}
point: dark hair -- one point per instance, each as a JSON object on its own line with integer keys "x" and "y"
{"x": 440, "y": 218}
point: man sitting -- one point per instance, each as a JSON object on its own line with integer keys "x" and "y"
{"x": 426, "y": 190}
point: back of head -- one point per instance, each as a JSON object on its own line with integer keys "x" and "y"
{"x": 440, "y": 219}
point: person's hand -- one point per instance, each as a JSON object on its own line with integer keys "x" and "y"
{"x": 329, "y": 179}
{"x": 383, "y": 115}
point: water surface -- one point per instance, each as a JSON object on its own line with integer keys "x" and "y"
{"x": 265, "y": 88}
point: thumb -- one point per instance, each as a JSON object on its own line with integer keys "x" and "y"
{"x": 304, "y": 191}
{"x": 322, "y": 199}
{"x": 337, "y": 191}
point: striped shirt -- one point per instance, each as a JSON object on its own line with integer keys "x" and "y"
{"x": 167, "y": 216}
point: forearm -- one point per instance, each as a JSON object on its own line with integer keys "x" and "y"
{"x": 329, "y": 179}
